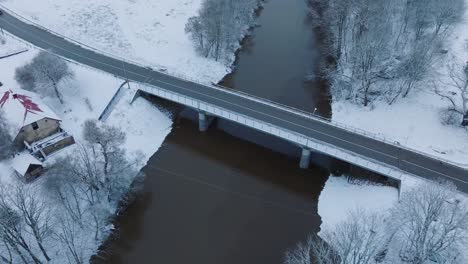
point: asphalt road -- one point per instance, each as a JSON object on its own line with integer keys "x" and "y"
{"x": 407, "y": 160}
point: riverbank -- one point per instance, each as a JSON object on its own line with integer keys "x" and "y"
{"x": 85, "y": 97}
{"x": 147, "y": 31}
{"x": 416, "y": 121}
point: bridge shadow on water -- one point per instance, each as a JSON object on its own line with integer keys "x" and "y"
{"x": 233, "y": 194}
{"x": 214, "y": 198}
{"x": 222, "y": 196}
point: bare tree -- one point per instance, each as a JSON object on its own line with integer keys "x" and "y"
{"x": 67, "y": 233}
{"x": 6, "y": 255}
{"x": 108, "y": 138}
{"x": 313, "y": 250}
{"x": 432, "y": 224}
{"x": 44, "y": 74}
{"x": 35, "y": 213}
{"x": 300, "y": 254}
{"x": 339, "y": 11}
{"x": 87, "y": 168}
{"x": 66, "y": 189}
{"x": 415, "y": 66}
{"x": 107, "y": 141}
{"x": 6, "y": 140}
{"x": 195, "y": 28}
{"x": 370, "y": 44}
{"x": 447, "y": 13}
{"x": 358, "y": 239}
{"x": 219, "y": 26}
{"x": 383, "y": 49}
{"x": 25, "y": 76}
{"x": 12, "y": 230}
{"x": 458, "y": 99}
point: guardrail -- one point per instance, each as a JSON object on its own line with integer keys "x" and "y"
{"x": 283, "y": 107}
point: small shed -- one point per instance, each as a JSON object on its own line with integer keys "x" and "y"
{"x": 27, "y": 166}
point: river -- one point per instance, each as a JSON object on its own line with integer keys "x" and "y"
{"x": 223, "y": 196}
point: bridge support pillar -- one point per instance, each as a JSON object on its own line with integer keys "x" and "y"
{"x": 305, "y": 158}
{"x": 204, "y": 121}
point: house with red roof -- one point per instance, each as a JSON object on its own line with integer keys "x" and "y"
{"x": 33, "y": 124}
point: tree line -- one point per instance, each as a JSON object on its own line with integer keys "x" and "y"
{"x": 53, "y": 220}
{"x": 220, "y": 25}
{"x": 383, "y": 49}
{"x": 428, "y": 225}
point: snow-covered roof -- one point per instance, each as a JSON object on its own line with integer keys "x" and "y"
{"x": 22, "y": 108}
{"x": 22, "y": 161}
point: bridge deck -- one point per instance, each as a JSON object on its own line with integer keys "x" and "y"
{"x": 362, "y": 150}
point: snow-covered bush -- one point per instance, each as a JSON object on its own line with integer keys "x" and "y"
{"x": 450, "y": 117}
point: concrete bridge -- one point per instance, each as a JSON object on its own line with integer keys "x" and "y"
{"x": 309, "y": 132}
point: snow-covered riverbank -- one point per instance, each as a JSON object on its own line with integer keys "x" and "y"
{"x": 85, "y": 97}
{"x": 148, "y": 31}
{"x": 415, "y": 121}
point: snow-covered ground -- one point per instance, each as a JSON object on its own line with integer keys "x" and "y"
{"x": 151, "y": 32}
{"x": 339, "y": 198}
{"x": 85, "y": 97}
{"x": 415, "y": 121}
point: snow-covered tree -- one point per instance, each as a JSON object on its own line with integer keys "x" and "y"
{"x": 432, "y": 224}
{"x": 427, "y": 225}
{"x": 458, "y": 75}
{"x": 68, "y": 233}
{"x": 13, "y": 231}
{"x": 219, "y": 25}
{"x": 6, "y": 141}
{"x": 44, "y": 74}
{"x": 383, "y": 49}
{"x": 313, "y": 250}
{"x": 35, "y": 213}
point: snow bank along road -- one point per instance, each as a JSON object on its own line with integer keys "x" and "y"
{"x": 363, "y": 150}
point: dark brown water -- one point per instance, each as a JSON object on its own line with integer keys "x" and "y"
{"x": 215, "y": 197}
{"x": 277, "y": 59}
{"x": 212, "y": 198}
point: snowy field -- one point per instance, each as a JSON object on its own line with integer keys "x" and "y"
{"x": 415, "y": 121}
{"x": 85, "y": 97}
{"x": 339, "y": 197}
{"x": 151, "y": 32}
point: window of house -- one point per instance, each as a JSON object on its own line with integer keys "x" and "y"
{"x": 35, "y": 126}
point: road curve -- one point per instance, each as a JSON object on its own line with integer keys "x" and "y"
{"x": 407, "y": 160}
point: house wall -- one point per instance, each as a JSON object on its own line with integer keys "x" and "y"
{"x": 59, "y": 145}
{"x": 46, "y": 127}
{"x": 33, "y": 172}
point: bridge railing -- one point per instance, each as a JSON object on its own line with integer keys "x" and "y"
{"x": 182, "y": 77}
